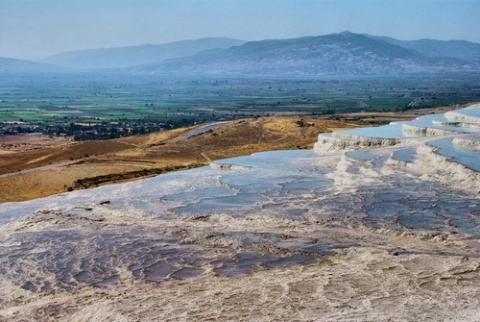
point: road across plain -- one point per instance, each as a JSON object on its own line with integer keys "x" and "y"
{"x": 203, "y": 129}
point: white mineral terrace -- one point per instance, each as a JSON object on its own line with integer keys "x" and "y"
{"x": 375, "y": 224}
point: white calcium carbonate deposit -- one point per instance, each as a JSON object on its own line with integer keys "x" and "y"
{"x": 378, "y": 224}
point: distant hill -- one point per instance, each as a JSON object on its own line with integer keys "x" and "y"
{"x": 10, "y": 64}
{"x": 336, "y": 54}
{"x": 460, "y": 49}
{"x": 105, "y": 58}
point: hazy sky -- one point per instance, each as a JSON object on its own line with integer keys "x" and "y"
{"x": 31, "y": 29}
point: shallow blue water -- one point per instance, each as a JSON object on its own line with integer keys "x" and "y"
{"x": 406, "y": 155}
{"x": 438, "y": 121}
{"x": 475, "y": 112}
{"x": 469, "y": 158}
{"x": 390, "y": 131}
{"x": 394, "y": 129}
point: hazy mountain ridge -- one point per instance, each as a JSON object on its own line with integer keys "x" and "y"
{"x": 460, "y": 49}
{"x": 345, "y": 53}
{"x": 119, "y": 57}
{"x": 14, "y": 65}
{"x": 336, "y": 54}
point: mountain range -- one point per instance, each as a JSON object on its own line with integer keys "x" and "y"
{"x": 337, "y": 54}
{"x": 343, "y": 54}
{"x": 118, "y": 57}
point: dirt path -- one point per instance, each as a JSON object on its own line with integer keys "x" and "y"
{"x": 46, "y": 167}
{"x": 206, "y": 157}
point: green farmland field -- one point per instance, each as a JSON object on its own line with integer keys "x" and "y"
{"x": 129, "y": 103}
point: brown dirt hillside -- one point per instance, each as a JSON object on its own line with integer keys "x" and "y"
{"x": 59, "y": 166}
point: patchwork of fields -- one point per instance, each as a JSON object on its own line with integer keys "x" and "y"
{"x": 111, "y": 105}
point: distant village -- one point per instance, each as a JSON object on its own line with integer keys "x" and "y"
{"x": 100, "y": 130}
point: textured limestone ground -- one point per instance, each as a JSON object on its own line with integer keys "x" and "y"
{"x": 356, "y": 284}
{"x": 336, "y": 252}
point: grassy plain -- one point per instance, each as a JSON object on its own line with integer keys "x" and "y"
{"x": 95, "y": 98}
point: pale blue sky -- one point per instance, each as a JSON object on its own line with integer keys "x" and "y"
{"x": 31, "y": 29}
